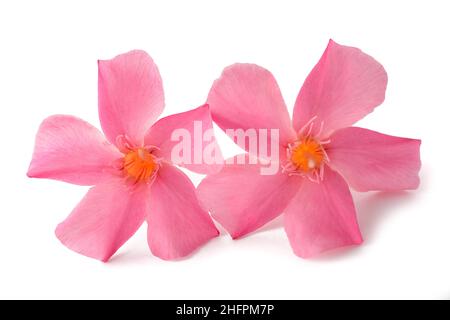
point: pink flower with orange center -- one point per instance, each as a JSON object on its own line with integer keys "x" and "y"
{"x": 134, "y": 177}
{"x": 320, "y": 154}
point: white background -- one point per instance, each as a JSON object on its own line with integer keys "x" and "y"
{"x": 48, "y": 65}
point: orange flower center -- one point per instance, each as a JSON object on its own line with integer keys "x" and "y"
{"x": 139, "y": 165}
{"x": 307, "y": 155}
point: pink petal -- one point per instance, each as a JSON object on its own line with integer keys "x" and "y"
{"x": 196, "y": 123}
{"x": 177, "y": 225}
{"x": 71, "y": 150}
{"x": 130, "y": 95}
{"x": 322, "y": 217}
{"x": 344, "y": 86}
{"x": 105, "y": 219}
{"x": 242, "y": 200}
{"x": 247, "y": 96}
{"x": 373, "y": 161}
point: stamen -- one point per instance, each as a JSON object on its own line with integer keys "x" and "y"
{"x": 320, "y": 129}
{"x": 140, "y": 165}
{"x": 123, "y": 144}
{"x": 307, "y": 157}
{"x": 302, "y": 130}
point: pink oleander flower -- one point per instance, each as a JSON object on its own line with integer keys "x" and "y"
{"x": 131, "y": 170}
{"x": 320, "y": 154}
